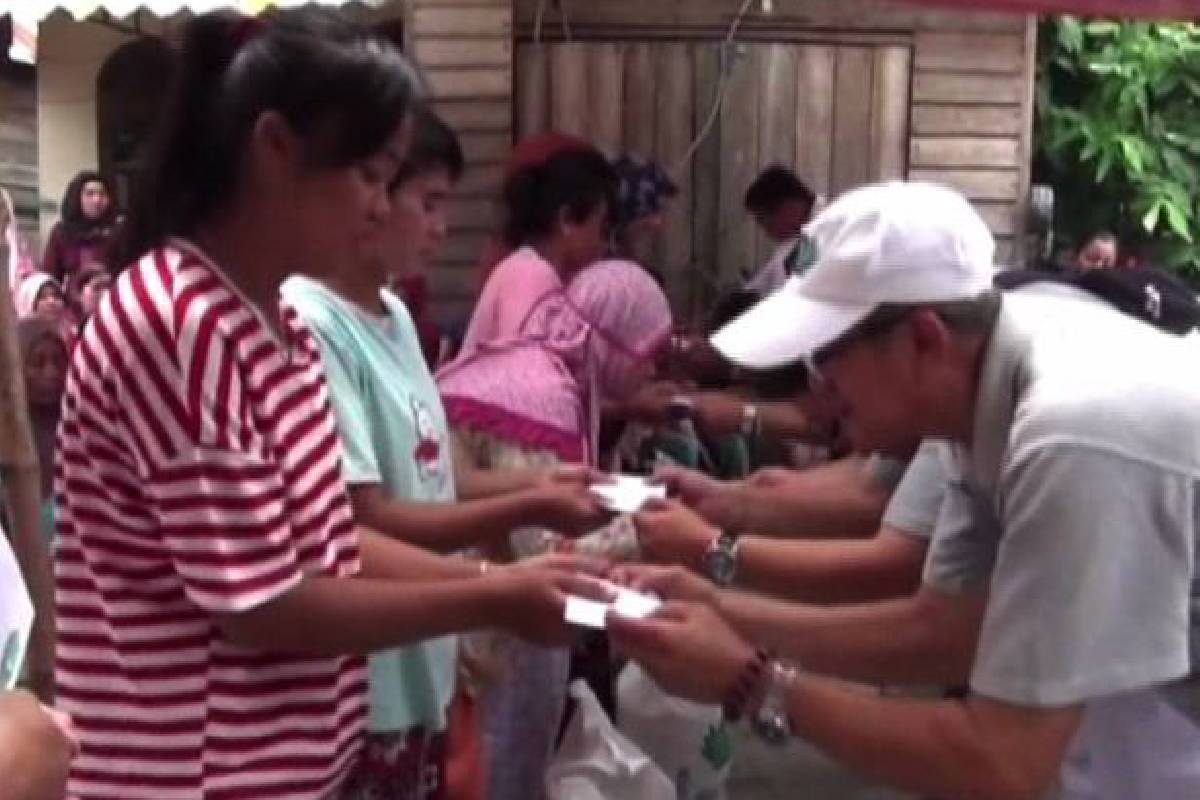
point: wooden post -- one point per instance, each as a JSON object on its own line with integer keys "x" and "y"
{"x": 19, "y": 473}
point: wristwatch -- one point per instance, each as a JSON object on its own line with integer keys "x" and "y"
{"x": 750, "y": 417}
{"x": 720, "y": 559}
{"x": 772, "y": 722}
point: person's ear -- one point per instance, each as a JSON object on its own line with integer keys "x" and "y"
{"x": 928, "y": 333}
{"x": 275, "y": 149}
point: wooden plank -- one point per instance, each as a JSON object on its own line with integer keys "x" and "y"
{"x": 940, "y": 51}
{"x": 606, "y": 85}
{"x": 889, "y": 113}
{"x": 857, "y": 15}
{"x": 966, "y": 120}
{"x": 673, "y": 134}
{"x": 739, "y": 164}
{"x": 457, "y": 52}
{"x": 777, "y": 121}
{"x": 941, "y": 87}
{"x": 569, "y": 88}
{"x": 999, "y": 216}
{"x": 475, "y": 115}
{"x": 814, "y": 116}
{"x": 706, "y": 180}
{"x": 486, "y": 148}
{"x": 639, "y": 107}
{"x": 464, "y": 247}
{"x": 964, "y": 152}
{"x": 533, "y": 90}
{"x": 853, "y": 92}
{"x": 470, "y": 215}
{"x": 437, "y": 20}
{"x": 1005, "y": 251}
{"x": 1025, "y": 153}
{"x": 475, "y": 82}
{"x": 977, "y": 184}
{"x": 480, "y": 181}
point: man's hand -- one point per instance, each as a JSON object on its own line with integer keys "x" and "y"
{"x": 672, "y": 533}
{"x": 771, "y": 478}
{"x": 650, "y": 402}
{"x": 718, "y": 413}
{"x": 669, "y": 583}
{"x": 720, "y": 502}
{"x": 686, "y": 648}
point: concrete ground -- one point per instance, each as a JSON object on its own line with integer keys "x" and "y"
{"x": 793, "y": 772}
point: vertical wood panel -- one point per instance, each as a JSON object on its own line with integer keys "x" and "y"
{"x": 814, "y": 117}
{"x": 706, "y": 171}
{"x": 569, "y": 88}
{"x": 777, "y": 121}
{"x": 739, "y": 164}
{"x": 673, "y": 135}
{"x": 639, "y": 98}
{"x": 853, "y": 93}
{"x": 606, "y": 75}
{"x": 533, "y": 90}
{"x": 889, "y": 113}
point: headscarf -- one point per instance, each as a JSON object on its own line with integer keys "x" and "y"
{"x": 27, "y": 292}
{"x": 44, "y": 420}
{"x": 75, "y": 224}
{"x": 643, "y": 188}
{"x": 578, "y": 347}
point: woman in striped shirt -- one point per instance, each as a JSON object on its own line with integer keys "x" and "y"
{"x": 214, "y": 596}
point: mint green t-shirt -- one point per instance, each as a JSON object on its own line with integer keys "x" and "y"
{"x": 394, "y": 433}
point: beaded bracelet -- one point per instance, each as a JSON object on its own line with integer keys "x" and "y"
{"x": 740, "y": 692}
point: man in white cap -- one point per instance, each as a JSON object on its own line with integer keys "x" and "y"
{"x": 1075, "y": 442}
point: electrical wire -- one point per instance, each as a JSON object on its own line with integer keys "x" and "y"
{"x": 725, "y": 67}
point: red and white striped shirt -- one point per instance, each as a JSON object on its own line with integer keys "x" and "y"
{"x": 198, "y": 473}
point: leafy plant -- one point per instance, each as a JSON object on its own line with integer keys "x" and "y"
{"x": 1118, "y": 113}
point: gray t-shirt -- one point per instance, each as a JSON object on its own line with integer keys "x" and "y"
{"x": 932, "y": 502}
{"x": 1086, "y": 451}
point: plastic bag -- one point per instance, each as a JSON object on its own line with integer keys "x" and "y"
{"x": 595, "y": 762}
{"x": 689, "y": 742}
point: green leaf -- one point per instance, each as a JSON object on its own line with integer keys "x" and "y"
{"x": 1070, "y": 34}
{"x": 1150, "y": 220}
{"x": 1177, "y": 219}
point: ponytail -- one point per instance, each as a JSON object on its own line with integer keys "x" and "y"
{"x": 341, "y": 90}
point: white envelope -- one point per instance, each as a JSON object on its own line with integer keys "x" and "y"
{"x": 627, "y": 603}
{"x": 626, "y": 494}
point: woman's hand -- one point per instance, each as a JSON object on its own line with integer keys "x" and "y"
{"x": 532, "y": 594}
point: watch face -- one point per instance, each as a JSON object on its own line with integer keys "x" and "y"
{"x": 720, "y": 566}
{"x": 772, "y": 726}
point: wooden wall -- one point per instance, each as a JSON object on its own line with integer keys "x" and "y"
{"x": 838, "y": 113}
{"x": 465, "y": 50}
{"x": 970, "y": 117}
{"x": 18, "y": 144}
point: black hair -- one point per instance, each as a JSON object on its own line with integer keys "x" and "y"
{"x": 73, "y": 220}
{"x": 434, "y": 146}
{"x": 577, "y": 181}
{"x": 775, "y": 186}
{"x": 341, "y": 89}
{"x": 1103, "y": 237}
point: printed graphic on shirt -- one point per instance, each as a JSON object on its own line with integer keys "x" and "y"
{"x": 428, "y": 452}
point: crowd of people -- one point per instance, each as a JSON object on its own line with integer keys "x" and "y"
{"x": 309, "y": 544}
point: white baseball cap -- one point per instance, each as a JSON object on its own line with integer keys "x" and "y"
{"x": 893, "y": 242}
